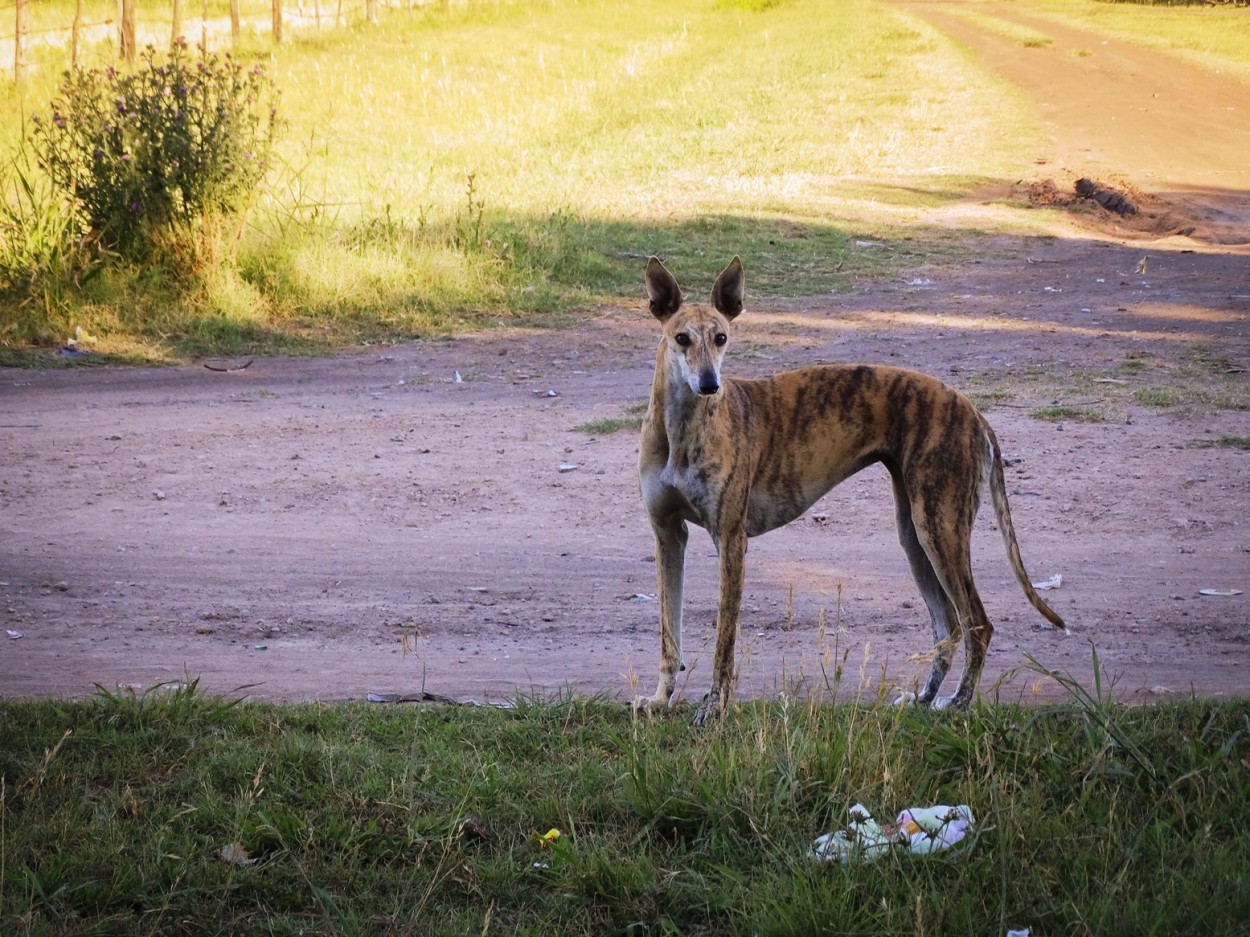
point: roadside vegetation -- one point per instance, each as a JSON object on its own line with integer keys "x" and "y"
{"x": 174, "y": 812}
{"x": 474, "y": 164}
{"x": 470, "y": 165}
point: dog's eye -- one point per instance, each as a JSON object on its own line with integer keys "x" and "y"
{"x": 720, "y": 339}
{"x": 682, "y": 339}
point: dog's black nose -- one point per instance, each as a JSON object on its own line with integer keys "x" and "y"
{"x": 708, "y": 386}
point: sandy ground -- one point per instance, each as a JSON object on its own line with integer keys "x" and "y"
{"x": 429, "y": 518}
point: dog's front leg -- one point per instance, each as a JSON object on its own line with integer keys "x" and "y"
{"x": 670, "y": 558}
{"x": 733, "y": 551}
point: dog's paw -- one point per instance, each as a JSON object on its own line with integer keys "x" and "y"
{"x": 648, "y": 705}
{"x": 708, "y": 710}
{"x": 953, "y": 703}
{"x": 907, "y": 699}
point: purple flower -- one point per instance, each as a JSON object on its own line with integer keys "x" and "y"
{"x": 125, "y": 157}
{"x": 98, "y": 154}
{"x": 134, "y": 206}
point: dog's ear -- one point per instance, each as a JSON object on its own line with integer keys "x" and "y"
{"x": 728, "y": 291}
{"x": 662, "y": 290}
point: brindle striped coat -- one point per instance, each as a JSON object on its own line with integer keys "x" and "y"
{"x": 742, "y": 457}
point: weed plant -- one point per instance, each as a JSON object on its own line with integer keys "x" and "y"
{"x": 175, "y": 812}
{"x": 157, "y": 155}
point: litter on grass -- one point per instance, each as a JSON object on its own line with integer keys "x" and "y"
{"x": 547, "y": 840}
{"x": 917, "y": 830}
{"x": 235, "y": 854}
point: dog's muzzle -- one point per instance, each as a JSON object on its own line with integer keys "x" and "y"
{"x": 708, "y": 384}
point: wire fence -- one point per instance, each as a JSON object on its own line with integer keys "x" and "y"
{"x": 91, "y": 32}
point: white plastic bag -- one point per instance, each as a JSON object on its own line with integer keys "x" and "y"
{"x": 917, "y": 830}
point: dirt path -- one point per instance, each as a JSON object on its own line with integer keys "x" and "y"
{"x": 319, "y": 529}
{"x": 1172, "y": 134}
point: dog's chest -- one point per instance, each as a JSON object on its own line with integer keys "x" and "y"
{"x": 686, "y": 490}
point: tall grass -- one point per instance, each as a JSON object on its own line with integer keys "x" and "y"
{"x": 174, "y": 812}
{"x": 476, "y": 163}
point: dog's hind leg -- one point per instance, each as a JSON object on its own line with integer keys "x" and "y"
{"x": 671, "y": 535}
{"x": 941, "y": 611}
{"x": 948, "y": 546}
{"x": 977, "y": 633}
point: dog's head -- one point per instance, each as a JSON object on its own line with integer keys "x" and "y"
{"x": 695, "y": 338}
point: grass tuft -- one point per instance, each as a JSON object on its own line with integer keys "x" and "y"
{"x": 608, "y": 425}
{"x": 1057, "y": 414}
{"x": 1224, "y": 442}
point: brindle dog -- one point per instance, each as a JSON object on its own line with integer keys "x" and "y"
{"x": 742, "y": 457}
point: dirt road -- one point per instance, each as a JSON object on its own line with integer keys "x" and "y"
{"x": 430, "y": 517}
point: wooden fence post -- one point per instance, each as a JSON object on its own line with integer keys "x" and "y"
{"x": 126, "y": 30}
{"x": 234, "y": 22}
{"x": 77, "y": 27}
{"x": 175, "y": 32}
{"x": 371, "y": 11}
{"x": 277, "y": 21}
{"x": 19, "y": 43}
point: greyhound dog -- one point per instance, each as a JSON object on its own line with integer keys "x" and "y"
{"x": 743, "y": 457}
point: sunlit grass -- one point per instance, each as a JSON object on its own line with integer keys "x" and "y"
{"x": 463, "y": 165}
{"x": 643, "y": 114}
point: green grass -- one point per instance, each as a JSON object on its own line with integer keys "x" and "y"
{"x": 604, "y": 427}
{"x": 987, "y": 399}
{"x": 171, "y": 812}
{"x": 497, "y": 162}
{"x": 609, "y": 425}
{"x": 1185, "y": 394}
{"x": 1224, "y": 442}
{"x": 468, "y": 165}
{"x": 1060, "y": 413}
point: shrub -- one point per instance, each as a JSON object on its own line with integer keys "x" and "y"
{"x": 151, "y": 154}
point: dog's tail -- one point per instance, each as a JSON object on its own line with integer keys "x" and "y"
{"x": 998, "y": 493}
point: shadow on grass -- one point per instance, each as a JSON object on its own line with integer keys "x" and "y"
{"x": 307, "y": 287}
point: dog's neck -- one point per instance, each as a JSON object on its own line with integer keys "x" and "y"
{"x": 682, "y": 410}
